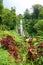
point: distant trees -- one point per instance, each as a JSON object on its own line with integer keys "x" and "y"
{"x": 8, "y": 19}
{"x": 37, "y": 11}
{"x": 26, "y": 14}
{"x": 34, "y": 21}
{"x": 29, "y": 23}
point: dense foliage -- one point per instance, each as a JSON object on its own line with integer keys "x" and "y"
{"x": 29, "y": 51}
{"x": 32, "y": 22}
{"x": 16, "y": 49}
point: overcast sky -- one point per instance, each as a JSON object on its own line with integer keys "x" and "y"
{"x": 21, "y": 5}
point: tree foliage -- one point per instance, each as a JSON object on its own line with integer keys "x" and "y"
{"x": 39, "y": 26}
{"x": 9, "y": 19}
{"x": 1, "y": 6}
{"x": 34, "y": 21}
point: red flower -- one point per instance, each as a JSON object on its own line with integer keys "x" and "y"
{"x": 31, "y": 48}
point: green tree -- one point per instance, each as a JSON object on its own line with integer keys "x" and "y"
{"x": 36, "y": 11}
{"x": 29, "y": 23}
{"x": 39, "y": 26}
{"x": 41, "y": 13}
{"x": 28, "y": 26}
{"x": 9, "y": 18}
{"x": 26, "y": 14}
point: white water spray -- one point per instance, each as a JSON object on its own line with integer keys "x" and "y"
{"x": 21, "y": 28}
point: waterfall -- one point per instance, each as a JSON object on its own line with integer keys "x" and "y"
{"x": 21, "y": 32}
{"x": 21, "y": 28}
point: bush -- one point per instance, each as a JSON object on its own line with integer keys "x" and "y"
{"x": 10, "y": 44}
{"x": 35, "y": 53}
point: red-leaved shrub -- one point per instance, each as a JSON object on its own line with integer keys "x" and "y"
{"x": 15, "y": 53}
{"x": 10, "y": 44}
{"x": 31, "y": 53}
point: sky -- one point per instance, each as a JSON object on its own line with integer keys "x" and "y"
{"x": 21, "y": 5}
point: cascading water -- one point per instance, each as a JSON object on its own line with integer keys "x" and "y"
{"x": 21, "y": 32}
{"x": 21, "y": 28}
